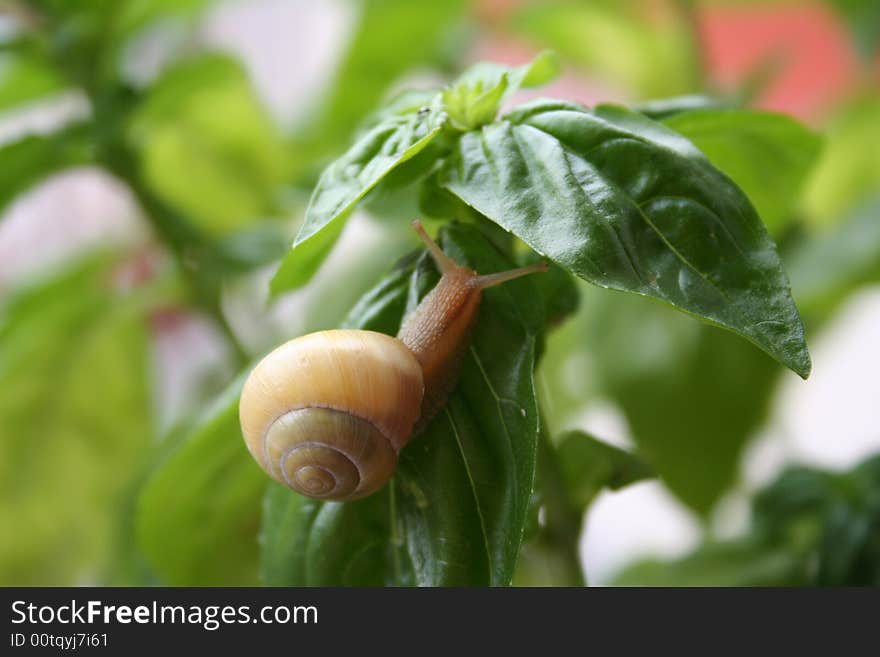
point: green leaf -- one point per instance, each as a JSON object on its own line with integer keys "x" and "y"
{"x": 848, "y": 171}
{"x": 25, "y": 79}
{"x": 253, "y": 247}
{"x": 863, "y": 17}
{"x": 831, "y": 519}
{"x": 422, "y": 30}
{"x": 824, "y": 268}
{"x": 476, "y": 96}
{"x": 309, "y": 543}
{"x": 559, "y": 293}
{"x": 455, "y": 511}
{"x": 616, "y": 40}
{"x": 287, "y": 518}
{"x": 735, "y": 563}
{"x": 389, "y": 144}
{"x": 549, "y": 554}
{"x": 664, "y": 108}
{"x": 809, "y": 527}
{"x": 87, "y": 37}
{"x": 399, "y": 194}
{"x": 76, "y": 423}
{"x": 588, "y": 465}
{"x": 768, "y": 155}
{"x": 628, "y": 204}
{"x": 207, "y": 146}
{"x": 471, "y": 105}
{"x": 26, "y": 162}
{"x": 76, "y": 34}
{"x": 134, "y": 16}
{"x": 693, "y": 395}
{"x": 569, "y": 476}
{"x": 198, "y": 514}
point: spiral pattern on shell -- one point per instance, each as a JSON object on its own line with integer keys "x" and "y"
{"x": 327, "y": 413}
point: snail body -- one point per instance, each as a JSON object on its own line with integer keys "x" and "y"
{"x": 327, "y": 413}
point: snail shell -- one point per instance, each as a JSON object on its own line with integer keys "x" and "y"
{"x": 327, "y": 413}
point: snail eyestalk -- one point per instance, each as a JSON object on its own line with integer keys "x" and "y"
{"x": 444, "y": 262}
{"x": 490, "y": 280}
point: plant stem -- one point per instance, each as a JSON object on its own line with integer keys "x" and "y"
{"x": 191, "y": 249}
{"x": 563, "y": 521}
{"x": 690, "y": 15}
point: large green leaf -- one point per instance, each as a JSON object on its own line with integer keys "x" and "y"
{"x": 693, "y": 395}
{"x": 26, "y": 162}
{"x": 198, "y": 514}
{"x": 396, "y": 139}
{"x": 627, "y": 203}
{"x": 768, "y": 155}
{"x": 75, "y": 421}
{"x": 207, "y": 146}
{"x": 456, "y": 508}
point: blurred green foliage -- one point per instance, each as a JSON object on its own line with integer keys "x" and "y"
{"x": 29, "y": 160}
{"x": 430, "y": 33}
{"x": 809, "y": 527}
{"x": 25, "y": 78}
{"x": 75, "y": 412}
{"x": 234, "y": 161}
{"x": 618, "y": 40}
{"x": 184, "y": 539}
{"x": 90, "y": 493}
{"x": 849, "y": 170}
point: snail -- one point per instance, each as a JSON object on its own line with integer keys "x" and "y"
{"x": 327, "y": 413}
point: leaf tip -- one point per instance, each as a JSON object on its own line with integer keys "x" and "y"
{"x": 545, "y": 67}
{"x": 804, "y": 366}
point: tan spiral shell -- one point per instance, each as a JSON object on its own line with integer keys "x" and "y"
{"x": 327, "y": 413}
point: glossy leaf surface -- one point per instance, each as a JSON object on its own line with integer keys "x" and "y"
{"x": 626, "y": 203}
{"x": 768, "y": 155}
{"x": 373, "y": 156}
